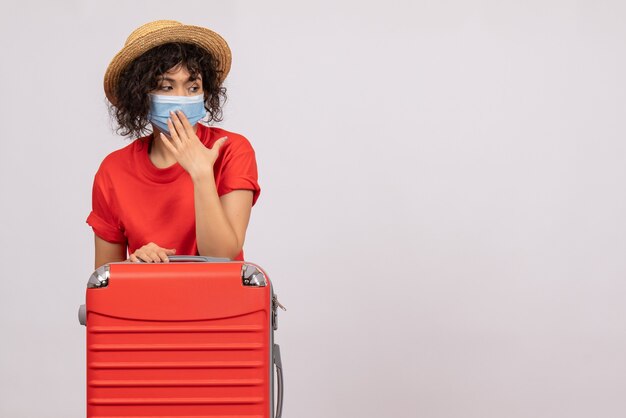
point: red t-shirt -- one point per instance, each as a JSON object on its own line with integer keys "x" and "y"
{"x": 134, "y": 202}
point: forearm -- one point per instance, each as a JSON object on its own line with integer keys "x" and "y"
{"x": 214, "y": 234}
{"x": 108, "y": 252}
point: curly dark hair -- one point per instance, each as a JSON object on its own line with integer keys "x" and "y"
{"x": 142, "y": 76}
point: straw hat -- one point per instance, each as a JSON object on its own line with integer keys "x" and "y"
{"x": 160, "y": 32}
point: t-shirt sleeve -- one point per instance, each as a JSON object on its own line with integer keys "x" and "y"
{"x": 239, "y": 171}
{"x": 102, "y": 217}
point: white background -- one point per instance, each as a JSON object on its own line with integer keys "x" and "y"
{"x": 442, "y": 207}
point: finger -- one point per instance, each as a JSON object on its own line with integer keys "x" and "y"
{"x": 173, "y": 133}
{"x": 140, "y": 256}
{"x": 163, "y": 256}
{"x": 185, "y": 122}
{"x": 168, "y": 144}
{"x": 180, "y": 129}
{"x": 134, "y": 258}
{"x": 170, "y": 251}
{"x": 146, "y": 256}
{"x": 154, "y": 257}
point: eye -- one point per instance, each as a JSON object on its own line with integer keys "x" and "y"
{"x": 165, "y": 88}
{"x": 195, "y": 88}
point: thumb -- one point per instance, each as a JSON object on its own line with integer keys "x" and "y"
{"x": 218, "y": 144}
{"x": 170, "y": 251}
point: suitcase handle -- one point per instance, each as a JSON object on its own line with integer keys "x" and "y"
{"x": 195, "y": 259}
{"x": 198, "y": 258}
{"x": 279, "y": 374}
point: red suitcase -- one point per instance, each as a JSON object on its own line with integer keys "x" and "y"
{"x": 189, "y": 338}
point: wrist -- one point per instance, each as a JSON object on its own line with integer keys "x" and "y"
{"x": 202, "y": 177}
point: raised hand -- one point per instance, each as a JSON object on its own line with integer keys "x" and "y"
{"x": 189, "y": 151}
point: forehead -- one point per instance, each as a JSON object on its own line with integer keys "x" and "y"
{"x": 179, "y": 72}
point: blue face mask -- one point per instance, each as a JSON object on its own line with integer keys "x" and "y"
{"x": 161, "y": 105}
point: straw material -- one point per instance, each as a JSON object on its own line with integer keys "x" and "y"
{"x": 160, "y": 32}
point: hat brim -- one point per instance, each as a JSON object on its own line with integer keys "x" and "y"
{"x": 203, "y": 37}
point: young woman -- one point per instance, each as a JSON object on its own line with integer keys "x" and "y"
{"x": 185, "y": 188}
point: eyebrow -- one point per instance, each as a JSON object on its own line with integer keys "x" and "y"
{"x": 174, "y": 81}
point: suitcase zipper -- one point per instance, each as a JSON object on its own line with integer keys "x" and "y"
{"x": 276, "y": 304}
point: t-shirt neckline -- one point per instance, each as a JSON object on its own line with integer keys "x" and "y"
{"x": 154, "y": 173}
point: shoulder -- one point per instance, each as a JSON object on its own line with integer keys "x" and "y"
{"x": 119, "y": 159}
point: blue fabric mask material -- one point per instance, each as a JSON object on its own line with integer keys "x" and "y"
{"x": 161, "y": 105}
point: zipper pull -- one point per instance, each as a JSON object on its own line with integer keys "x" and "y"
{"x": 280, "y": 305}
{"x": 277, "y": 303}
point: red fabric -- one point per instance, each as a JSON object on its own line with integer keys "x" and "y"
{"x": 134, "y": 202}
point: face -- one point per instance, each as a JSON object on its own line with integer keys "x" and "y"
{"x": 177, "y": 82}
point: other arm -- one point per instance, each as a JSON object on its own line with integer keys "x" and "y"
{"x": 221, "y": 222}
{"x": 107, "y": 252}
